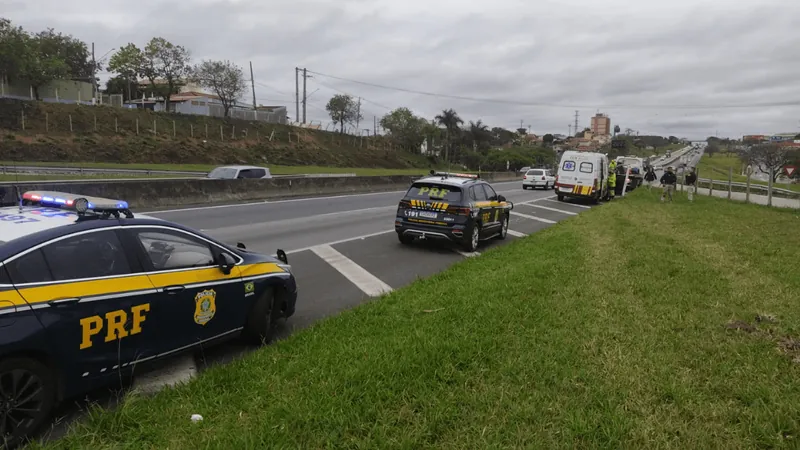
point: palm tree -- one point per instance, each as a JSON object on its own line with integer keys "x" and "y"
{"x": 450, "y": 120}
{"x": 479, "y": 133}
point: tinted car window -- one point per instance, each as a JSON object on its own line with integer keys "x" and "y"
{"x": 479, "y": 194}
{"x": 30, "y": 268}
{"x": 4, "y": 278}
{"x": 490, "y": 193}
{"x": 91, "y": 255}
{"x": 257, "y": 173}
{"x": 433, "y": 191}
{"x": 222, "y": 172}
{"x": 174, "y": 250}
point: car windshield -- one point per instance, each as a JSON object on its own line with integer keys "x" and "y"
{"x": 222, "y": 172}
{"x": 535, "y": 172}
{"x": 425, "y": 191}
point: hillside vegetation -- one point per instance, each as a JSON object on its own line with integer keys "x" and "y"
{"x": 38, "y": 131}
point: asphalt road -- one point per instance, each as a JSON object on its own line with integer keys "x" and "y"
{"x": 342, "y": 249}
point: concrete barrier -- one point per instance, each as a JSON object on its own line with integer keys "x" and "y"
{"x": 161, "y": 193}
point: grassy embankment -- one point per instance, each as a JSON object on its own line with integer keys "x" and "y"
{"x": 632, "y": 325}
{"x": 106, "y": 134}
{"x": 717, "y": 166}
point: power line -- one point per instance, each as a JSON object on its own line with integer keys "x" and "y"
{"x": 347, "y": 93}
{"x": 561, "y": 105}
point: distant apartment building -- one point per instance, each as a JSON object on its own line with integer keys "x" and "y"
{"x": 601, "y": 125}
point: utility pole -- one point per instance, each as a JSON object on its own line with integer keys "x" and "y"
{"x": 253, "y": 85}
{"x": 374, "y": 126}
{"x": 297, "y": 94}
{"x": 576, "y": 121}
{"x": 358, "y": 115}
{"x": 569, "y": 130}
{"x": 305, "y": 76}
{"x": 520, "y": 123}
{"x": 94, "y": 75}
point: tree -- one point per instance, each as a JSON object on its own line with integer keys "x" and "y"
{"x": 405, "y": 129}
{"x": 224, "y": 78}
{"x": 128, "y": 62}
{"x": 123, "y": 86}
{"x": 43, "y": 62}
{"x": 166, "y": 65}
{"x": 343, "y": 109}
{"x": 479, "y": 135}
{"x": 13, "y": 49}
{"x": 548, "y": 139}
{"x": 450, "y": 120}
{"x": 771, "y": 157}
{"x": 711, "y": 148}
{"x": 501, "y": 136}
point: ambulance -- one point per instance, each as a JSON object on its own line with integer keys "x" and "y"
{"x": 582, "y": 175}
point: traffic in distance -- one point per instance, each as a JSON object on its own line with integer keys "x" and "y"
{"x": 88, "y": 291}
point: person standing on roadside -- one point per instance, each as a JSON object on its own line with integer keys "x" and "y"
{"x": 612, "y": 179}
{"x": 650, "y": 177}
{"x": 668, "y": 180}
{"x": 691, "y": 179}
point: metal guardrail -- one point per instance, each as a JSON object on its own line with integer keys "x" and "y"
{"x": 6, "y": 169}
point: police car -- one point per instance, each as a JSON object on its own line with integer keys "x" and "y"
{"x": 88, "y": 291}
{"x": 454, "y": 207}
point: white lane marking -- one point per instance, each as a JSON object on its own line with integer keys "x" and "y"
{"x": 560, "y": 211}
{"x": 570, "y": 204}
{"x": 341, "y": 241}
{"x": 467, "y": 254}
{"x": 532, "y": 217}
{"x": 516, "y": 233}
{"x": 367, "y": 282}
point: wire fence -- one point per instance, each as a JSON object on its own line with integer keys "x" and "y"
{"x": 726, "y": 184}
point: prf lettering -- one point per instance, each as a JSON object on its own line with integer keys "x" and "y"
{"x": 434, "y": 193}
{"x": 114, "y": 324}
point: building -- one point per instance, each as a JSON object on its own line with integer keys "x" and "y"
{"x": 601, "y": 125}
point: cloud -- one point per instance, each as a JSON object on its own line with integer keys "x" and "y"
{"x": 683, "y": 67}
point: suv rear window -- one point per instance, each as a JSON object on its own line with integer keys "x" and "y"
{"x": 426, "y": 191}
{"x": 535, "y": 172}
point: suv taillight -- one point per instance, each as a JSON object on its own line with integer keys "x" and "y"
{"x": 457, "y": 211}
{"x": 544, "y": 178}
{"x": 404, "y": 204}
{"x": 524, "y": 177}
{"x": 556, "y": 179}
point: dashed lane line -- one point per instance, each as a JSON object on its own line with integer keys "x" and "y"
{"x": 560, "y": 211}
{"x": 532, "y": 217}
{"x": 516, "y": 233}
{"x": 468, "y": 254}
{"x": 570, "y": 204}
{"x": 367, "y": 282}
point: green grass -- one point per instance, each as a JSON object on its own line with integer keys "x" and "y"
{"x": 607, "y": 330}
{"x": 275, "y": 170}
{"x": 717, "y": 166}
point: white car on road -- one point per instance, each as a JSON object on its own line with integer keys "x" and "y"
{"x": 542, "y": 178}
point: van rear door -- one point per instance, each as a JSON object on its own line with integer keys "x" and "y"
{"x": 578, "y": 173}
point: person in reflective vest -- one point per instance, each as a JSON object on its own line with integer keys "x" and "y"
{"x": 612, "y": 179}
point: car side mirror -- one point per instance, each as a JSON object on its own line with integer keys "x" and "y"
{"x": 225, "y": 263}
{"x": 500, "y": 198}
{"x": 241, "y": 246}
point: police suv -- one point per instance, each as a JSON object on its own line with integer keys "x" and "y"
{"x": 88, "y": 291}
{"x": 454, "y": 207}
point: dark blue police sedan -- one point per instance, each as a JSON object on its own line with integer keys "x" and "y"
{"x": 88, "y": 291}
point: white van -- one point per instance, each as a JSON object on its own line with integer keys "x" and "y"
{"x": 582, "y": 175}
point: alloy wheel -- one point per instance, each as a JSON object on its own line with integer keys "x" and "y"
{"x": 22, "y": 397}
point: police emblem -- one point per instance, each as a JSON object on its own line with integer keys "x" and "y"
{"x": 249, "y": 289}
{"x": 205, "y": 306}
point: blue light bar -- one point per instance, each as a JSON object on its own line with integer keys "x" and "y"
{"x": 65, "y": 200}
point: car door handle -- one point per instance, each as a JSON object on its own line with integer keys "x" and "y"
{"x": 64, "y": 301}
{"x": 174, "y": 289}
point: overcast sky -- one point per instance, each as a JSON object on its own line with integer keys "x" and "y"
{"x": 674, "y": 67}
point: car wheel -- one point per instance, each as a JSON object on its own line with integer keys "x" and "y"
{"x": 504, "y": 228}
{"x": 473, "y": 238}
{"x": 560, "y": 197}
{"x": 28, "y": 388}
{"x": 405, "y": 240}
{"x": 260, "y": 326}
{"x": 524, "y": 188}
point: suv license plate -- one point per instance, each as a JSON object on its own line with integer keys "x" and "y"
{"x": 428, "y": 214}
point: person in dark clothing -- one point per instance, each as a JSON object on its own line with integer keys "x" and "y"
{"x": 668, "y": 180}
{"x": 650, "y": 176}
{"x": 691, "y": 179}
